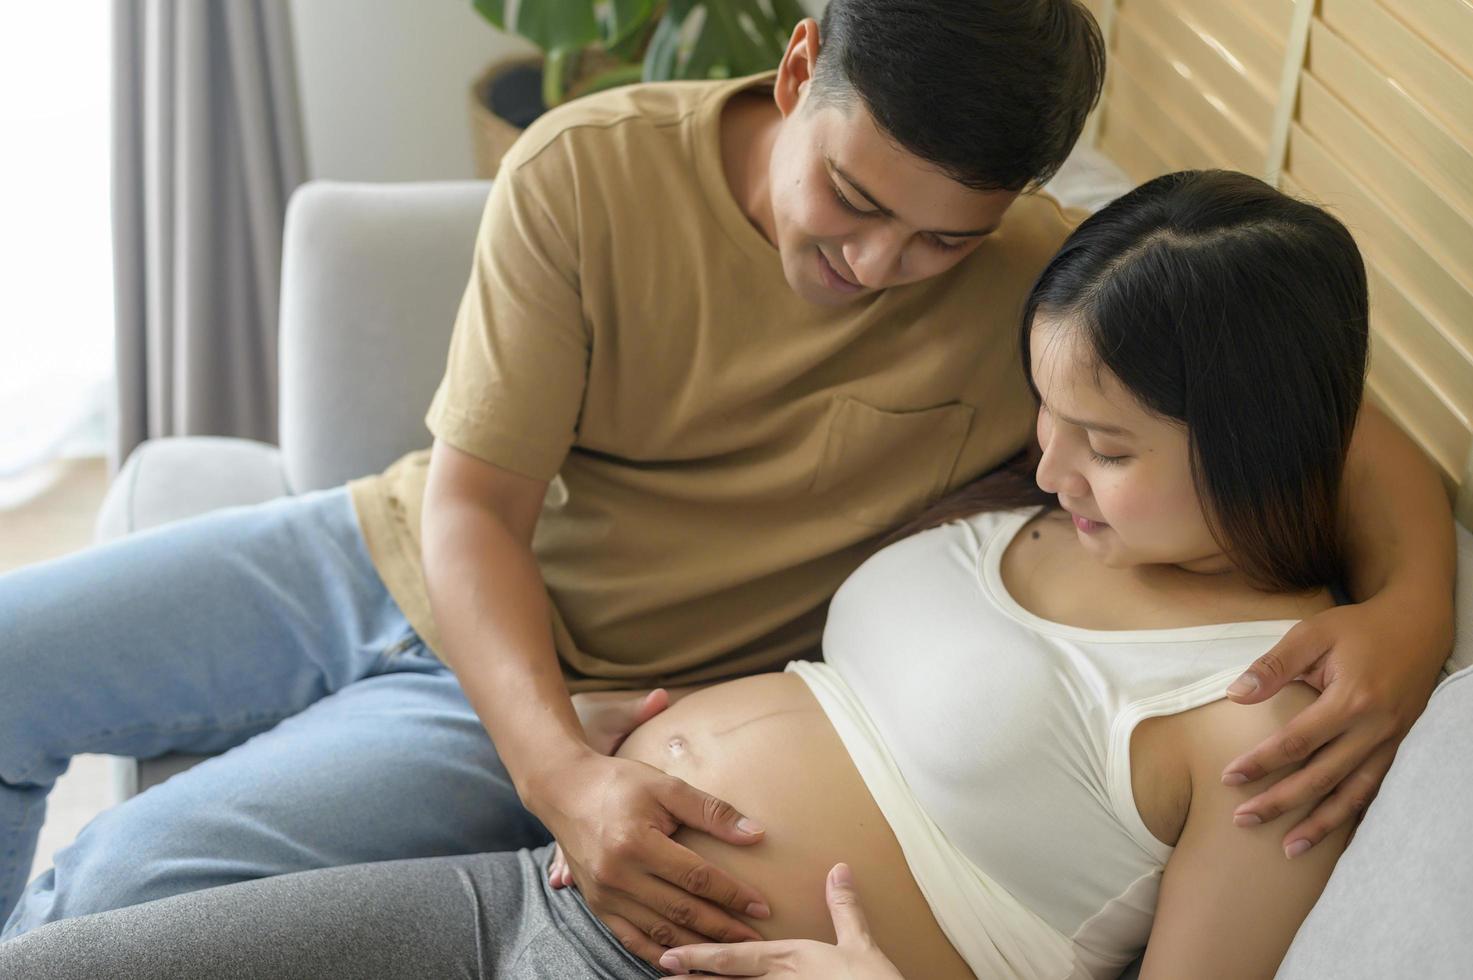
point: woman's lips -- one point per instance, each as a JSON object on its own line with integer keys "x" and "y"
{"x": 832, "y": 279}
{"x": 1087, "y": 526}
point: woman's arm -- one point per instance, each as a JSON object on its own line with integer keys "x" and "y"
{"x": 853, "y": 956}
{"x": 1377, "y": 661}
{"x": 1230, "y": 903}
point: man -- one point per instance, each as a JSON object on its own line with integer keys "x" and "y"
{"x": 718, "y": 339}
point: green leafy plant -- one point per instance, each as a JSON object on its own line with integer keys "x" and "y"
{"x": 597, "y": 44}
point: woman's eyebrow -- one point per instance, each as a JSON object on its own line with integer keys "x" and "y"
{"x": 1109, "y": 430}
{"x": 1105, "y": 427}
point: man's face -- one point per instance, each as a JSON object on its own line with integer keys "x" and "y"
{"x": 853, "y": 213}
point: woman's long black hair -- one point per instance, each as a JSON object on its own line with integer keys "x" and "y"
{"x": 1240, "y": 313}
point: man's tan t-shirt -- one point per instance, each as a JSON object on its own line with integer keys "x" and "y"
{"x": 722, "y": 453}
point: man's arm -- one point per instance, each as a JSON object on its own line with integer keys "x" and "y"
{"x": 1377, "y": 661}
{"x": 491, "y": 606}
{"x": 1398, "y": 524}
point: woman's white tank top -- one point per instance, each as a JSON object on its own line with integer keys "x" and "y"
{"x": 997, "y": 744}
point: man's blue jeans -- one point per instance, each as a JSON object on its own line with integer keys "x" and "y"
{"x": 260, "y": 632}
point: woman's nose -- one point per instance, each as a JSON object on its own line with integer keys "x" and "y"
{"x": 1047, "y": 477}
{"x": 1056, "y": 475}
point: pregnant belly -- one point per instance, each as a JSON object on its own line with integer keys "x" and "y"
{"x": 764, "y": 745}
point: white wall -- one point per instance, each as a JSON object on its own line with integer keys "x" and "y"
{"x": 383, "y": 85}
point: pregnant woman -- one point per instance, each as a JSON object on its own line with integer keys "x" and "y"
{"x": 1016, "y": 737}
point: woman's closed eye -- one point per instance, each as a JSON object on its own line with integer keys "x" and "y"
{"x": 1107, "y": 460}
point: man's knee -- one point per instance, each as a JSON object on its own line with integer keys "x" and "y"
{"x": 114, "y": 863}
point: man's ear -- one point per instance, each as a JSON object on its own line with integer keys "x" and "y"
{"x": 795, "y": 71}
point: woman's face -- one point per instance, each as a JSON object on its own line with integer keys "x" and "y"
{"x": 1122, "y": 473}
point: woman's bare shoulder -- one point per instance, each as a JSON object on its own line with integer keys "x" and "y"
{"x": 1230, "y": 901}
{"x": 1218, "y": 724}
{"x": 1172, "y": 753}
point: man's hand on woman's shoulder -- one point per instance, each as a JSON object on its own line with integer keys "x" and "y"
{"x": 1376, "y": 664}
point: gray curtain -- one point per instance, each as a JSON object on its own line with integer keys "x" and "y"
{"x": 207, "y": 147}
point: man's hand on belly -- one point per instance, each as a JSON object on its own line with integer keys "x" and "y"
{"x": 609, "y": 716}
{"x": 613, "y": 819}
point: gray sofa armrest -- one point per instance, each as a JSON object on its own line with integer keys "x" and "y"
{"x": 168, "y": 479}
{"x": 1400, "y": 900}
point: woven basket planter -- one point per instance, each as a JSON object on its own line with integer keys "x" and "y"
{"x": 491, "y": 135}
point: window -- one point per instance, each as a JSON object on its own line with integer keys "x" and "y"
{"x": 56, "y": 282}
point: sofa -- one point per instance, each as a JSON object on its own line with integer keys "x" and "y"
{"x": 372, "y": 275}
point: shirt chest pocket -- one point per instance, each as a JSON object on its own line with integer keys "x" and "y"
{"x": 881, "y": 467}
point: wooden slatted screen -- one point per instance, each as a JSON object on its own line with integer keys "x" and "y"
{"x": 1379, "y": 129}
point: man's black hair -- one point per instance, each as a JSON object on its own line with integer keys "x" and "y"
{"x": 992, "y": 92}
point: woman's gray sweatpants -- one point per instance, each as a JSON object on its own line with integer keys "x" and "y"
{"x": 481, "y": 916}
